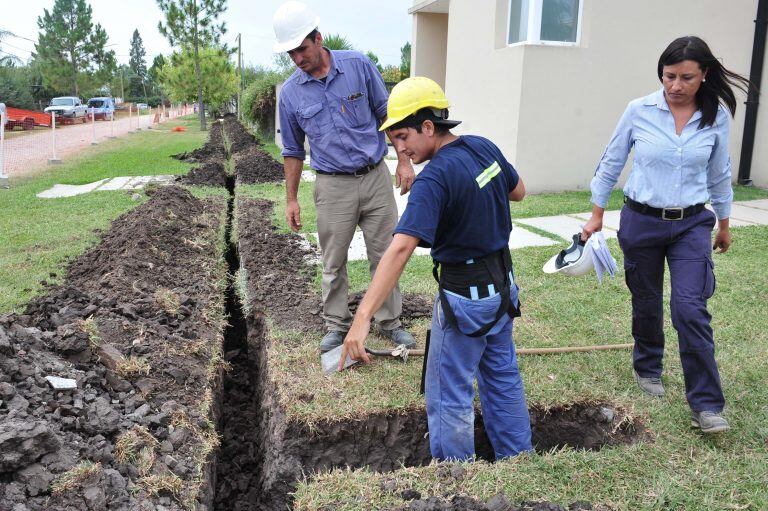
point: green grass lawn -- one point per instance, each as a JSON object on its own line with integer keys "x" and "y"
{"x": 39, "y": 236}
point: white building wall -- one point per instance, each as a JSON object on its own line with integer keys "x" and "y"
{"x": 483, "y": 76}
{"x": 430, "y": 39}
{"x": 573, "y": 96}
{"x": 552, "y": 109}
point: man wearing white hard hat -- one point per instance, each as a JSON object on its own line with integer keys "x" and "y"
{"x": 337, "y": 100}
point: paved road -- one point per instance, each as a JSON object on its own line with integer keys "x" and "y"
{"x": 27, "y": 154}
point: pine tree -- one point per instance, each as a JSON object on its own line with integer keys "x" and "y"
{"x": 71, "y": 49}
{"x": 191, "y": 24}
{"x": 138, "y": 86}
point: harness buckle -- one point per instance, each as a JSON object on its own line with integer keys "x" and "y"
{"x": 677, "y": 214}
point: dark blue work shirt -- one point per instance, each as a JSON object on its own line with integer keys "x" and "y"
{"x": 340, "y": 115}
{"x": 459, "y": 203}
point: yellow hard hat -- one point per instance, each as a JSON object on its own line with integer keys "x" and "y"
{"x": 410, "y": 96}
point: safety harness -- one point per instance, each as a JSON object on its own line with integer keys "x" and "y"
{"x": 473, "y": 279}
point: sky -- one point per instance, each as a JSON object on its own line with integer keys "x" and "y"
{"x": 379, "y": 26}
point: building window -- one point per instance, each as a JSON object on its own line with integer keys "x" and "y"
{"x": 544, "y": 22}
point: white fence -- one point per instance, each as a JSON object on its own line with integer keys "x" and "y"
{"x": 26, "y": 146}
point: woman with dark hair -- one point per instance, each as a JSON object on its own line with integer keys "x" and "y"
{"x": 681, "y": 161}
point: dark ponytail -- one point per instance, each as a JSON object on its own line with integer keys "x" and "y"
{"x": 719, "y": 81}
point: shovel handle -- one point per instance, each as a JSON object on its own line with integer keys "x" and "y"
{"x": 389, "y": 353}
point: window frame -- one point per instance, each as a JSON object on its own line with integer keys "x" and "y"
{"x": 535, "y": 8}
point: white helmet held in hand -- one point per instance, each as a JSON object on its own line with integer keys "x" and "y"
{"x": 293, "y": 21}
{"x": 574, "y": 260}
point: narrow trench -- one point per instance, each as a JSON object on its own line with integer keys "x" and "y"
{"x": 238, "y": 461}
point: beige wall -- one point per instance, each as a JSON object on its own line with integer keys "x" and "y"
{"x": 430, "y": 39}
{"x": 759, "y": 174}
{"x": 552, "y": 109}
{"x": 483, "y": 84}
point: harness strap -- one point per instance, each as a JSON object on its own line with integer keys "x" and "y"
{"x": 505, "y": 307}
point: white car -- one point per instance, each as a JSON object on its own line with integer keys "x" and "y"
{"x": 68, "y": 106}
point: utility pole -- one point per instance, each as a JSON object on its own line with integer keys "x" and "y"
{"x": 240, "y": 72}
{"x": 122, "y": 90}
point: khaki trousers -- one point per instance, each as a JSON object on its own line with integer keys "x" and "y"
{"x": 343, "y": 203}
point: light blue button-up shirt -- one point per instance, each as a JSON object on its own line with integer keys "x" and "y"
{"x": 340, "y": 115}
{"x": 668, "y": 170}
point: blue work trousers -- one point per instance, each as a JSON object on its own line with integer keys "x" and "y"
{"x": 453, "y": 363}
{"x": 687, "y": 247}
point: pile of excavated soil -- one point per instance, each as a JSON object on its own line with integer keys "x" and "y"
{"x": 254, "y": 165}
{"x": 212, "y": 149}
{"x": 211, "y": 158}
{"x": 138, "y": 334}
{"x": 210, "y": 173}
{"x": 240, "y": 139}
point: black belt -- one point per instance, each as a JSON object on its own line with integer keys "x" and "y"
{"x": 357, "y": 173}
{"x": 491, "y": 265}
{"x": 663, "y": 213}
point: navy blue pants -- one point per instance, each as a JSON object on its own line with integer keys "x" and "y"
{"x": 454, "y": 361}
{"x": 687, "y": 247}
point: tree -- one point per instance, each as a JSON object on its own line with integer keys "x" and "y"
{"x": 375, "y": 59}
{"x": 391, "y": 74}
{"x": 71, "y": 49}
{"x": 337, "y": 42}
{"x": 405, "y": 61}
{"x": 153, "y": 75}
{"x": 138, "y": 65}
{"x": 219, "y": 79}
{"x": 191, "y": 24}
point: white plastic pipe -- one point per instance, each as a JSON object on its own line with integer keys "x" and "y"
{"x": 130, "y": 122}
{"x": 53, "y": 159}
{"x": 3, "y": 176}
{"x": 93, "y": 126}
{"x": 112, "y": 125}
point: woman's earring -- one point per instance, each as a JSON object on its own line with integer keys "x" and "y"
{"x": 703, "y": 80}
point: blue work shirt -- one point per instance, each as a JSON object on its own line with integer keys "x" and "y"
{"x": 339, "y": 115}
{"x": 668, "y": 170}
{"x": 459, "y": 202}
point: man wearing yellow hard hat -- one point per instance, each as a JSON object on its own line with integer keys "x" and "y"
{"x": 458, "y": 207}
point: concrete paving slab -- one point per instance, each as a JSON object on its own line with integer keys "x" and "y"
{"x": 610, "y": 222}
{"x": 59, "y": 190}
{"x": 759, "y": 204}
{"x": 561, "y": 225}
{"x": 523, "y": 238}
{"x": 116, "y": 183}
{"x": 748, "y": 214}
{"x": 734, "y": 222}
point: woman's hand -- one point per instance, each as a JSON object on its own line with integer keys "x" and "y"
{"x": 722, "y": 241}
{"x": 594, "y": 224}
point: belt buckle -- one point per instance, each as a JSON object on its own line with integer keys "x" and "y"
{"x": 678, "y": 210}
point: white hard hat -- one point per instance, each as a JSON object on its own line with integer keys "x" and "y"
{"x": 574, "y": 260}
{"x": 293, "y": 21}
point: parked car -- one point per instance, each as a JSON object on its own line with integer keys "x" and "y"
{"x": 68, "y": 106}
{"x": 103, "y": 108}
